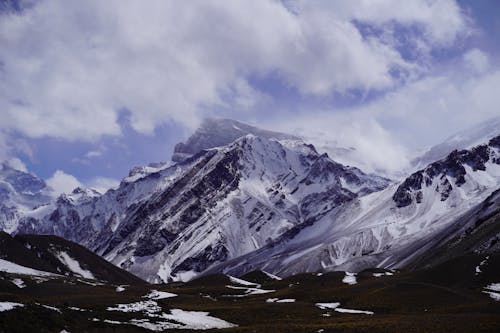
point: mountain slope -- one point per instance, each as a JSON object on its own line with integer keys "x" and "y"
{"x": 476, "y": 232}
{"x": 58, "y": 256}
{"x": 378, "y": 229}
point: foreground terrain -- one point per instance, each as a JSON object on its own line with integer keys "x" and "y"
{"x": 455, "y": 296}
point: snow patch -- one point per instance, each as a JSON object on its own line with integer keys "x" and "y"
{"x": 353, "y": 311}
{"x": 335, "y": 306}
{"x": 242, "y": 282}
{"x": 10, "y": 267}
{"x": 478, "y": 267}
{"x": 7, "y": 306}
{"x": 142, "y": 306}
{"x": 195, "y": 320}
{"x": 493, "y": 290}
{"x": 155, "y": 294}
{"x": 74, "y": 308}
{"x": 249, "y": 291}
{"x": 277, "y": 300}
{"x": 74, "y": 265}
{"x": 326, "y": 306}
{"x": 19, "y": 283}
{"x": 350, "y": 278}
{"x": 53, "y": 308}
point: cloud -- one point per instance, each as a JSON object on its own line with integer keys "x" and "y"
{"x": 16, "y": 163}
{"x": 102, "y": 184}
{"x": 68, "y": 69}
{"x": 429, "y": 110}
{"x": 93, "y": 154}
{"x": 412, "y": 118}
{"x": 62, "y": 182}
{"x": 477, "y": 60}
{"x": 351, "y": 138}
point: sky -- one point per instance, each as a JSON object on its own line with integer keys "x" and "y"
{"x": 89, "y": 89}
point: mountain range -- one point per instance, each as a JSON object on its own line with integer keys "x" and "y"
{"x": 236, "y": 198}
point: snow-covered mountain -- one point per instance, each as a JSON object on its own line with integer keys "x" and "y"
{"x": 20, "y": 193}
{"x": 222, "y": 203}
{"x": 378, "y": 229}
{"x": 266, "y": 201}
{"x": 464, "y": 139}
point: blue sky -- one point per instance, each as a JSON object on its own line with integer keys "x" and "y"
{"x": 90, "y": 89}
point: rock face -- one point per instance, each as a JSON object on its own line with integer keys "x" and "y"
{"x": 220, "y": 132}
{"x": 178, "y": 221}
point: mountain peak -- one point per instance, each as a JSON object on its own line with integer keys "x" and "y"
{"x": 220, "y": 132}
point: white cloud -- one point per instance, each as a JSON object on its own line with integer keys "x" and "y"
{"x": 67, "y": 68}
{"x": 442, "y": 21}
{"x": 102, "y": 184}
{"x": 62, "y": 182}
{"x": 17, "y": 164}
{"x": 93, "y": 154}
{"x": 477, "y": 60}
{"x": 409, "y": 119}
{"x": 352, "y": 138}
{"x": 429, "y": 110}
